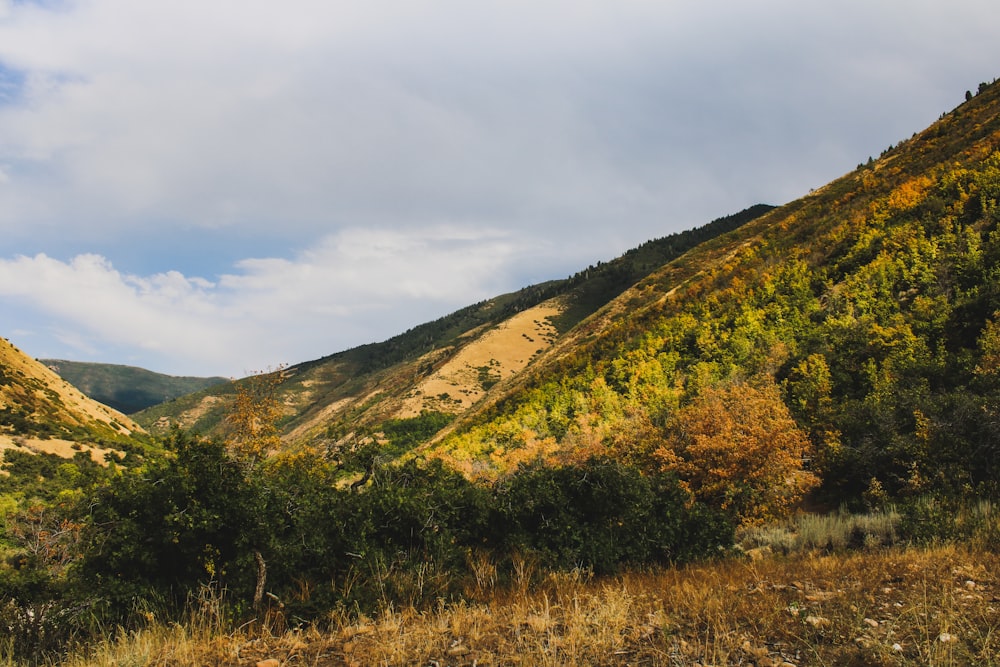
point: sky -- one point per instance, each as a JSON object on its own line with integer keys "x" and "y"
{"x": 217, "y": 187}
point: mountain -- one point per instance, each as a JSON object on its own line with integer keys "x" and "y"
{"x": 39, "y": 411}
{"x": 870, "y": 307}
{"x": 442, "y": 367}
{"x": 862, "y": 318}
{"x": 126, "y": 388}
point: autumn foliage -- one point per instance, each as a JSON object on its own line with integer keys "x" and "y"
{"x": 253, "y": 418}
{"x": 736, "y": 447}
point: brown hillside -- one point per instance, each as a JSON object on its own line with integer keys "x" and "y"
{"x": 44, "y": 413}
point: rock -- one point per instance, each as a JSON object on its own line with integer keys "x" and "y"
{"x": 756, "y": 652}
{"x": 897, "y": 647}
{"x": 459, "y": 650}
{"x": 947, "y": 638}
{"x": 871, "y": 622}
{"x": 817, "y": 621}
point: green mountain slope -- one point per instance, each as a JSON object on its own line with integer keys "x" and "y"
{"x": 359, "y": 389}
{"x": 871, "y": 306}
{"x": 126, "y": 388}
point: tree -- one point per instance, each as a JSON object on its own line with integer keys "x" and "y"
{"x": 253, "y": 417}
{"x": 737, "y": 448}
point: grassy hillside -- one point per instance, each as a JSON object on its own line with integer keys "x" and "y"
{"x": 900, "y": 608}
{"x": 126, "y": 388}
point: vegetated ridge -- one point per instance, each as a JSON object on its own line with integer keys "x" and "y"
{"x": 126, "y": 388}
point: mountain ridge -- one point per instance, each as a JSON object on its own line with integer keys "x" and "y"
{"x": 324, "y": 398}
{"x": 790, "y": 295}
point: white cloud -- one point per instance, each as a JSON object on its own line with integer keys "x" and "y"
{"x": 316, "y": 114}
{"x": 270, "y": 311}
{"x": 377, "y": 134}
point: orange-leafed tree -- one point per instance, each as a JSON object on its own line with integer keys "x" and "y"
{"x": 737, "y": 447}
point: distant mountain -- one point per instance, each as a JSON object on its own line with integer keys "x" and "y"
{"x": 39, "y": 411}
{"x": 126, "y": 388}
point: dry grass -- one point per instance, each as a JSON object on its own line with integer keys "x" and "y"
{"x": 936, "y": 606}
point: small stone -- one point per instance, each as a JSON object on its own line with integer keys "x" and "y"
{"x": 947, "y": 638}
{"x": 871, "y": 622}
{"x": 817, "y": 621}
{"x": 897, "y": 647}
{"x": 459, "y": 650}
{"x": 970, "y": 584}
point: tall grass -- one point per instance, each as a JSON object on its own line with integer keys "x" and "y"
{"x": 831, "y": 532}
{"x": 921, "y": 521}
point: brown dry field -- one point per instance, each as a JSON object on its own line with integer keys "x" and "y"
{"x": 64, "y": 448}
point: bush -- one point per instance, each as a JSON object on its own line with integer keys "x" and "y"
{"x": 601, "y": 515}
{"x": 159, "y": 531}
{"x": 938, "y": 518}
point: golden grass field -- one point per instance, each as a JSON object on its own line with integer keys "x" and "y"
{"x": 895, "y": 606}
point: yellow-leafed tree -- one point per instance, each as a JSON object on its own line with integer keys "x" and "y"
{"x": 253, "y": 418}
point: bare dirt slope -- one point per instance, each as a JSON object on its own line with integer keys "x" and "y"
{"x": 492, "y": 357}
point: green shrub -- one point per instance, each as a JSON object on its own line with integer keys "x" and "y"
{"x": 602, "y": 515}
{"x": 161, "y": 530}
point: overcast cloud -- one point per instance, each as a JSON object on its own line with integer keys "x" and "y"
{"x": 215, "y": 187}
